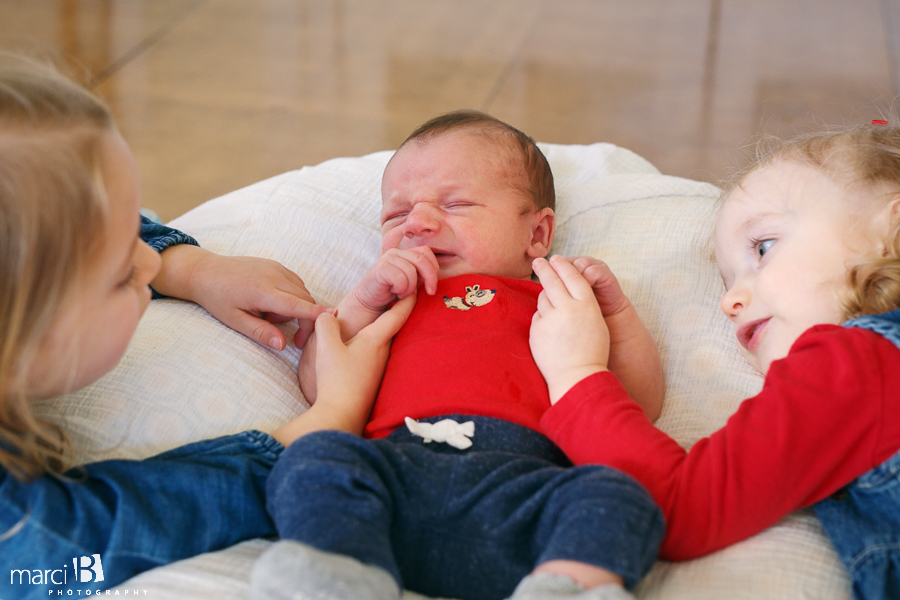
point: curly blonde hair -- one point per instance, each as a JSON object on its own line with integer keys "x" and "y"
{"x": 52, "y": 214}
{"x": 861, "y": 157}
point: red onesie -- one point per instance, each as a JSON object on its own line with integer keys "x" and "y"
{"x": 827, "y": 413}
{"x": 464, "y": 350}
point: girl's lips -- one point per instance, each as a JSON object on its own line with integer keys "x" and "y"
{"x": 750, "y": 334}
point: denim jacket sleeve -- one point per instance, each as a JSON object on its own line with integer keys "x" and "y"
{"x": 135, "y": 515}
{"x": 159, "y": 237}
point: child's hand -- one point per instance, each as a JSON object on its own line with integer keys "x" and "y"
{"x": 248, "y": 294}
{"x": 348, "y": 373}
{"x": 396, "y": 275}
{"x": 569, "y": 339}
{"x": 606, "y": 287}
{"x": 633, "y": 355}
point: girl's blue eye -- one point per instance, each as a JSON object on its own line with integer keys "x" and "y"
{"x": 764, "y": 246}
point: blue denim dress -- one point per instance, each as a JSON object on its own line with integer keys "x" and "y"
{"x": 863, "y": 519}
{"x": 108, "y": 521}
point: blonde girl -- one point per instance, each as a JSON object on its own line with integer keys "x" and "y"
{"x": 808, "y": 245}
{"x": 75, "y": 270}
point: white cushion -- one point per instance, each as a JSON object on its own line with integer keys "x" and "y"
{"x": 187, "y": 377}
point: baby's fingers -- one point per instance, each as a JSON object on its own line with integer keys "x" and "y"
{"x": 427, "y": 266}
{"x": 400, "y": 275}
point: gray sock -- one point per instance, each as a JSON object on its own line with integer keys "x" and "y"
{"x": 293, "y": 571}
{"x": 550, "y": 586}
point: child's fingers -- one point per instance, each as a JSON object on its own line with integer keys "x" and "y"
{"x": 288, "y": 305}
{"x": 296, "y": 280}
{"x": 544, "y": 306}
{"x": 389, "y": 323}
{"x": 275, "y": 317}
{"x": 328, "y": 329}
{"x": 555, "y": 290}
{"x": 328, "y": 335}
{"x": 256, "y": 329}
{"x": 304, "y": 331}
{"x": 576, "y": 285}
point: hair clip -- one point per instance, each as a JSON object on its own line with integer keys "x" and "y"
{"x": 879, "y": 122}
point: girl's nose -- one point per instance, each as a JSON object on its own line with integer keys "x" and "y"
{"x": 147, "y": 263}
{"x": 735, "y": 300}
{"x": 423, "y": 219}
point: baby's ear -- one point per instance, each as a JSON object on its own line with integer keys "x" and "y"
{"x": 542, "y": 229}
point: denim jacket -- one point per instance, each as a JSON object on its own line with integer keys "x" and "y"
{"x": 159, "y": 237}
{"x": 863, "y": 519}
{"x": 107, "y": 521}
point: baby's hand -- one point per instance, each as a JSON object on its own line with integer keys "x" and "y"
{"x": 606, "y": 287}
{"x": 396, "y": 275}
{"x": 248, "y": 294}
{"x": 569, "y": 338}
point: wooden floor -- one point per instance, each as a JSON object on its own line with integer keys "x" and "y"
{"x": 216, "y": 94}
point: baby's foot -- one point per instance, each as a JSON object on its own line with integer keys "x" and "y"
{"x": 550, "y": 586}
{"x": 293, "y": 571}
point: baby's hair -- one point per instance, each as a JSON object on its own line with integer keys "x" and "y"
{"x": 534, "y": 163}
{"x": 865, "y": 157}
{"x": 53, "y": 213}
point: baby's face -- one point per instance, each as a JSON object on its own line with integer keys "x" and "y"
{"x": 784, "y": 240}
{"x": 461, "y": 194}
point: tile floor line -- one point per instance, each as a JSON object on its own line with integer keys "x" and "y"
{"x": 890, "y": 17}
{"x": 710, "y": 63}
{"x": 152, "y": 39}
{"x": 514, "y": 58}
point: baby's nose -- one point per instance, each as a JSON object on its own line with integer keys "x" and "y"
{"x": 422, "y": 219}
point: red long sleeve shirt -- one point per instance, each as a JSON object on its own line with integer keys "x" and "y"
{"x": 827, "y": 413}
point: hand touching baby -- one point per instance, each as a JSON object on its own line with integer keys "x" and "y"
{"x": 586, "y": 324}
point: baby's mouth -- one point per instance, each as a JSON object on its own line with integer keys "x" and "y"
{"x": 442, "y": 254}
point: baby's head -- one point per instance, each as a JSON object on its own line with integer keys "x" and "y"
{"x": 72, "y": 273}
{"x": 475, "y": 190}
{"x": 810, "y": 234}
